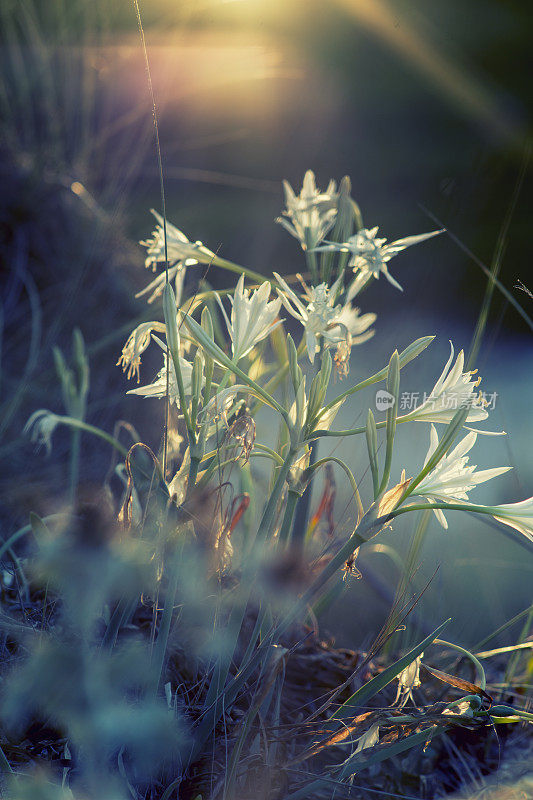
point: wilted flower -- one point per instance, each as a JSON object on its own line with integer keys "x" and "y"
{"x": 253, "y": 318}
{"x": 136, "y": 344}
{"x": 310, "y": 215}
{"x": 174, "y": 443}
{"x": 41, "y": 426}
{"x": 408, "y": 680}
{"x": 243, "y": 431}
{"x": 159, "y": 386}
{"x": 517, "y": 515}
{"x": 453, "y": 390}
{"x": 179, "y": 248}
{"x": 368, "y": 739}
{"x": 370, "y": 255}
{"x": 390, "y": 499}
{"x": 463, "y": 709}
{"x": 175, "y": 273}
{"x": 452, "y": 479}
{"x": 322, "y": 318}
{"x": 221, "y": 403}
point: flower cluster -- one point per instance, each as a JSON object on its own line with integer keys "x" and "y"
{"x": 310, "y": 215}
{"x": 177, "y": 248}
{"x": 370, "y": 255}
{"x": 329, "y": 319}
{"x": 323, "y": 320}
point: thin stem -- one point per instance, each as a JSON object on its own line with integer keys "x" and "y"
{"x": 164, "y": 628}
{"x": 506, "y": 293}
{"x": 231, "y": 267}
{"x": 443, "y": 506}
{"x": 85, "y": 426}
{"x": 349, "y": 475}
{"x": 513, "y": 661}
{"x": 267, "y": 520}
{"x": 310, "y": 257}
{"x": 74, "y": 465}
{"x": 495, "y": 267}
{"x": 302, "y": 509}
{"x": 193, "y": 473}
{"x": 163, "y": 208}
{"x": 406, "y": 356}
{"x": 481, "y": 679}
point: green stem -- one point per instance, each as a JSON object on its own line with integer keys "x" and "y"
{"x": 267, "y": 520}
{"x": 193, "y": 473}
{"x": 481, "y": 679}
{"x": 286, "y": 526}
{"x": 406, "y": 356}
{"x": 310, "y": 258}
{"x": 279, "y": 377}
{"x": 181, "y": 393}
{"x": 349, "y": 475}
{"x": 72, "y": 422}
{"x": 231, "y": 267}
{"x": 74, "y": 465}
{"x": 164, "y": 628}
{"x": 302, "y": 508}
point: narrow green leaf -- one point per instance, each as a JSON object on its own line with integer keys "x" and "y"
{"x": 393, "y": 388}
{"x": 372, "y": 446}
{"x": 407, "y": 355}
{"x": 294, "y": 368}
{"x": 380, "y": 753}
{"x": 209, "y": 345}
{"x": 372, "y": 687}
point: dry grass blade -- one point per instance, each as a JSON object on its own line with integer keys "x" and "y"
{"x": 459, "y": 683}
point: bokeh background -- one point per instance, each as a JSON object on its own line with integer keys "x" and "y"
{"x": 426, "y": 106}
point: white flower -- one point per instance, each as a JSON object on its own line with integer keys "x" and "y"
{"x": 452, "y": 478}
{"x": 356, "y": 324}
{"x": 453, "y": 390}
{"x": 370, "y": 255}
{"x": 179, "y": 248}
{"x": 159, "y": 386}
{"x": 322, "y": 318}
{"x": 311, "y": 214}
{"x": 408, "y": 680}
{"x": 518, "y": 516}
{"x": 252, "y": 317}
{"x": 41, "y": 426}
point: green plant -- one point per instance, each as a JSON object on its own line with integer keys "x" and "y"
{"x": 203, "y": 571}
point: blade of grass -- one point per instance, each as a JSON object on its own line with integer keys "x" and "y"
{"x": 372, "y": 687}
{"x": 495, "y": 267}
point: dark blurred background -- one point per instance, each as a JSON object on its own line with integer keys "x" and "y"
{"x": 427, "y": 106}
